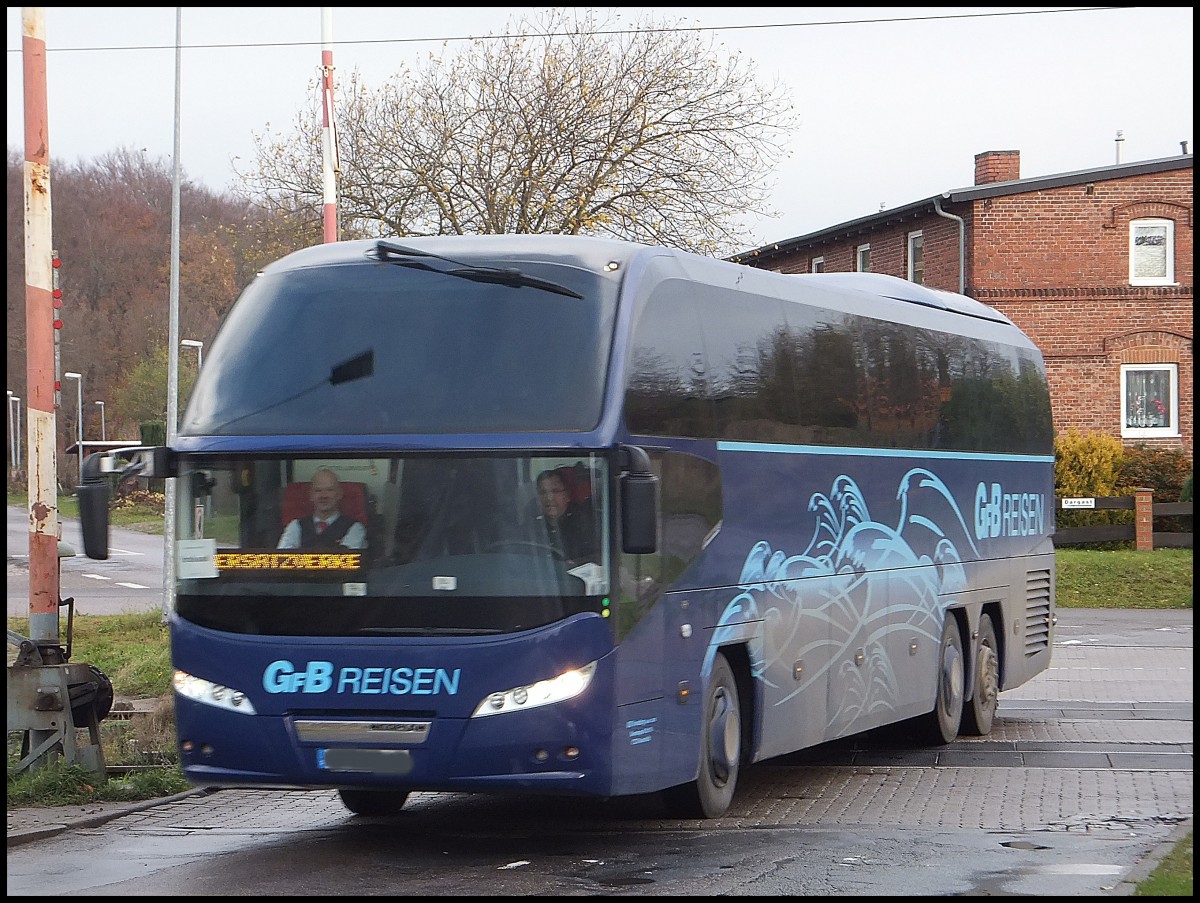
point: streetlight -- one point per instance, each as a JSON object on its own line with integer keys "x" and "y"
{"x": 78, "y": 377}
{"x": 103, "y": 429}
{"x": 199, "y": 346}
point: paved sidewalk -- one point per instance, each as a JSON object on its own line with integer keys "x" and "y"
{"x": 28, "y": 823}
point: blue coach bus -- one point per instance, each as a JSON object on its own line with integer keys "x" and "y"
{"x": 814, "y": 505}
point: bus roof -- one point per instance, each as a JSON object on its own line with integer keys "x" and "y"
{"x": 599, "y": 254}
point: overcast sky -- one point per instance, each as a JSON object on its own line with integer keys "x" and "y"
{"x": 894, "y": 103}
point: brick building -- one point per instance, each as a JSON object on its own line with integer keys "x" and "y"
{"x": 1095, "y": 265}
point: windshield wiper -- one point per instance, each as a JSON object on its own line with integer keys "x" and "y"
{"x": 510, "y": 276}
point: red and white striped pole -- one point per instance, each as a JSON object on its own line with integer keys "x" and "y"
{"x": 328, "y": 136}
{"x": 39, "y": 338}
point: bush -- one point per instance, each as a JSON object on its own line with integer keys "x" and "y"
{"x": 153, "y": 432}
{"x": 138, "y": 499}
{"x": 1088, "y": 466}
{"x": 1165, "y": 470}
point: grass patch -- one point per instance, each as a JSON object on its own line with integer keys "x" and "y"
{"x": 67, "y": 785}
{"x": 133, "y": 649}
{"x": 1173, "y": 876}
{"x": 1124, "y": 578}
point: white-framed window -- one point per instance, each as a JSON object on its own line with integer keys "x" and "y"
{"x": 1151, "y": 252}
{"x": 1149, "y": 400}
{"x": 817, "y": 265}
{"x": 916, "y": 257}
{"x": 862, "y": 259}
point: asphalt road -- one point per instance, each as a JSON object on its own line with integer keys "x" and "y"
{"x": 130, "y": 580}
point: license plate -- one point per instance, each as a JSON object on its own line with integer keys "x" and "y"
{"x": 365, "y": 761}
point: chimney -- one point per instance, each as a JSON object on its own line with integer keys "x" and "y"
{"x": 997, "y": 166}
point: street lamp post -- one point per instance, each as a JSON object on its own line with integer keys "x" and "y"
{"x": 199, "y": 346}
{"x": 78, "y": 377}
{"x": 103, "y": 427}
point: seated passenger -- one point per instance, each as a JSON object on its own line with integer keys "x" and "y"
{"x": 326, "y": 527}
{"x": 570, "y": 526}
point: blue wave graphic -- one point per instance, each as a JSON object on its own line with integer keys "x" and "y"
{"x": 857, "y": 582}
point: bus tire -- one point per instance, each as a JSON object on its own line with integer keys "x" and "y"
{"x": 979, "y": 715}
{"x": 373, "y": 802}
{"x": 710, "y": 795}
{"x": 943, "y": 722}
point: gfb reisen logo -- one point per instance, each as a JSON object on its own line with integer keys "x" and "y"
{"x": 321, "y": 677}
{"x": 1000, "y": 513}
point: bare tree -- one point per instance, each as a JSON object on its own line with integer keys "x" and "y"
{"x": 649, "y": 133}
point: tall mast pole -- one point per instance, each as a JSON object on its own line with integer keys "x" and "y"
{"x": 329, "y": 162}
{"x": 173, "y": 344}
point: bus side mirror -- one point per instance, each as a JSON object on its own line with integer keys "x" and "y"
{"x": 92, "y": 494}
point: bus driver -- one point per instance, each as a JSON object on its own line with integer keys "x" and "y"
{"x": 326, "y": 527}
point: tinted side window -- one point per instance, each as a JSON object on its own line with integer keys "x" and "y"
{"x": 667, "y": 393}
{"x": 751, "y": 371}
{"x": 691, "y": 514}
{"x": 708, "y": 362}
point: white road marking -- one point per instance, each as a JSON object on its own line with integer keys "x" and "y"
{"x": 132, "y": 585}
{"x": 95, "y": 577}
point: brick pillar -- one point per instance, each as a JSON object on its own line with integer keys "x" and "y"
{"x": 1143, "y": 519}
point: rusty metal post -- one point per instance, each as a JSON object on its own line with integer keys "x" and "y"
{"x": 39, "y": 331}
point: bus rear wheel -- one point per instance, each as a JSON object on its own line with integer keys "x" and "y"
{"x": 720, "y": 751}
{"x": 942, "y": 724}
{"x": 979, "y": 715}
{"x": 373, "y": 802}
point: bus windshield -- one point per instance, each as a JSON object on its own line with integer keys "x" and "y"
{"x": 447, "y": 355}
{"x": 414, "y": 545}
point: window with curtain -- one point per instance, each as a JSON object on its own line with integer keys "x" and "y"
{"x": 1149, "y": 400}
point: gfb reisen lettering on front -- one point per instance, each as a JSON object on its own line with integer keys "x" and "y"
{"x": 321, "y": 677}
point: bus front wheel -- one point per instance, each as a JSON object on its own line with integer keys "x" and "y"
{"x": 720, "y": 750}
{"x": 373, "y": 802}
{"x": 943, "y": 723}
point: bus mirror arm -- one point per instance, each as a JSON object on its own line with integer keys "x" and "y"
{"x": 639, "y": 503}
{"x": 634, "y": 459}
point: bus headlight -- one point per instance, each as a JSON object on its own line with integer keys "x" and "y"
{"x": 213, "y": 694}
{"x": 544, "y": 692}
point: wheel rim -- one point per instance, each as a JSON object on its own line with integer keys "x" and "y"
{"x": 723, "y": 736}
{"x": 952, "y": 679}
